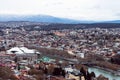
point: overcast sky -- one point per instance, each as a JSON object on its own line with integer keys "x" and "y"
{"x": 73, "y": 9}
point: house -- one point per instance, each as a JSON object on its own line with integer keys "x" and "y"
{"x": 73, "y": 74}
{"x": 82, "y": 55}
{"x": 79, "y": 54}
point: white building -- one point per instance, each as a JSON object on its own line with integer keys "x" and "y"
{"x": 20, "y": 50}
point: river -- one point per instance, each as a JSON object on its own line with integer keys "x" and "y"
{"x": 104, "y": 73}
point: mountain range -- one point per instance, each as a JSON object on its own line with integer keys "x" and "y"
{"x": 48, "y": 19}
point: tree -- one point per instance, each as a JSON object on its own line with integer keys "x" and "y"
{"x": 57, "y": 71}
{"x": 101, "y": 77}
{"x": 5, "y": 73}
{"x": 92, "y": 74}
{"x": 50, "y": 69}
{"x": 63, "y": 73}
{"x": 82, "y": 70}
{"x": 35, "y": 72}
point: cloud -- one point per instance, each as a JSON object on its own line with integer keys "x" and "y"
{"x": 75, "y": 9}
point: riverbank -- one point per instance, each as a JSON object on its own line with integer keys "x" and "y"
{"x": 98, "y": 71}
{"x": 116, "y": 73}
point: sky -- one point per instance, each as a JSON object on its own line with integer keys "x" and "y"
{"x": 73, "y": 9}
